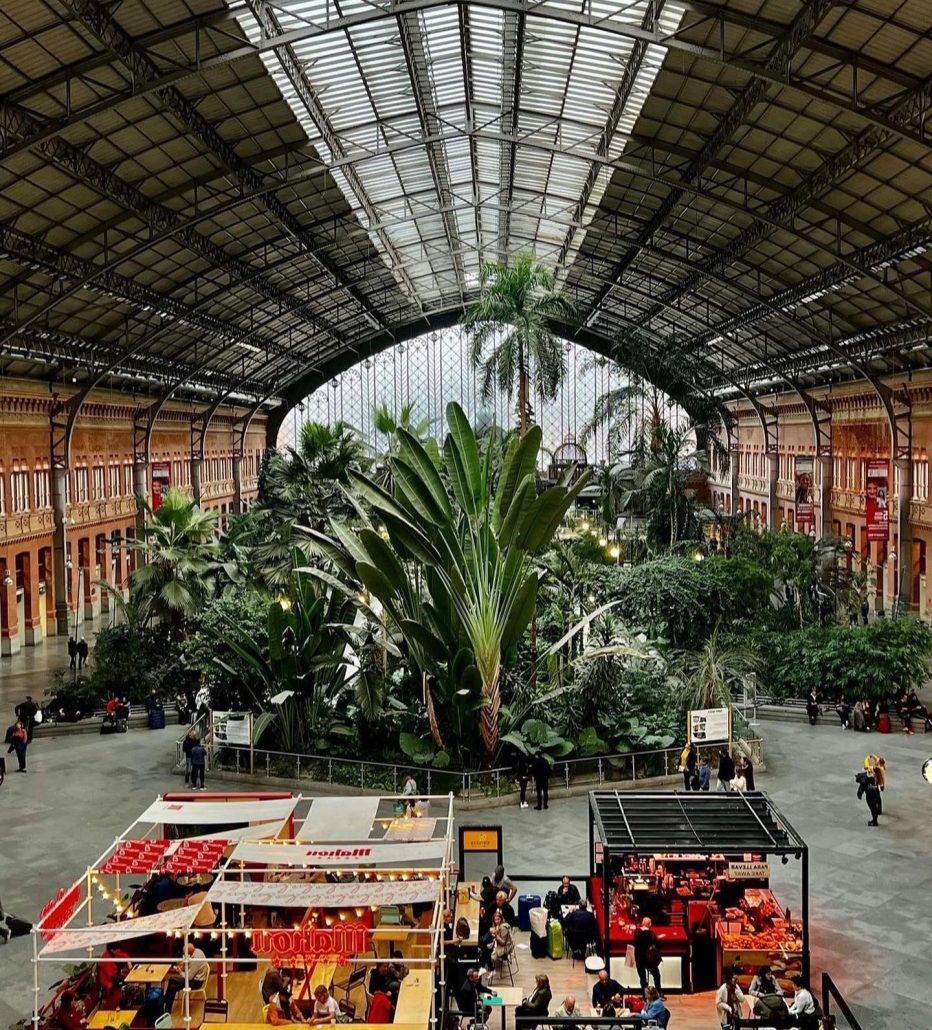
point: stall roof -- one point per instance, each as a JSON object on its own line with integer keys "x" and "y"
{"x": 684, "y": 822}
{"x": 217, "y": 813}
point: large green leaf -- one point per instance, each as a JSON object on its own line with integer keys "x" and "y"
{"x": 384, "y": 559}
{"x": 423, "y": 638}
{"x": 374, "y": 494}
{"x": 409, "y": 541}
{"x": 322, "y": 544}
{"x": 418, "y": 494}
{"x": 376, "y": 582}
{"x": 414, "y": 454}
{"x": 520, "y": 461}
{"x": 544, "y": 517}
{"x": 520, "y": 504}
{"x": 519, "y": 615}
{"x": 462, "y": 447}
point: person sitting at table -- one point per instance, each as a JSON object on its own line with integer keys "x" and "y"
{"x": 381, "y": 1008}
{"x": 499, "y": 943}
{"x": 110, "y": 977}
{"x": 449, "y": 925}
{"x": 385, "y": 978}
{"x": 469, "y": 996}
{"x": 501, "y": 883}
{"x": 503, "y": 906}
{"x": 581, "y": 929}
{"x": 654, "y": 1009}
{"x": 537, "y": 1003}
{"x": 766, "y": 994}
{"x": 567, "y": 893}
{"x": 568, "y": 1009}
{"x": 282, "y": 1010}
{"x": 272, "y": 982}
{"x": 71, "y": 1013}
{"x": 326, "y": 1009}
{"x": 603, "y": 990}
{"x": 198, "y": 973}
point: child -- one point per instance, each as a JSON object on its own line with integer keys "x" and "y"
{"x": 198, "y": 763}
{"x": 705, "y": 774}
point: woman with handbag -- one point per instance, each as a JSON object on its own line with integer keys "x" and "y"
{"x": 647, "y": 956}
{"x": 729, "y": 1001}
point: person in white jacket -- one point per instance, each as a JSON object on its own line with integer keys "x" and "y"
{"x": 729, "y": 1001}
{"x": 804, "y": 1006}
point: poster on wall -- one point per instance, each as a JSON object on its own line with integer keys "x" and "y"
{"x": 161, "y": 481}
{"x": 231, "y": 728}
{"x": 877, "y": 506}
{"x": 710, "y": 725}
{"x": 805, "y": 507}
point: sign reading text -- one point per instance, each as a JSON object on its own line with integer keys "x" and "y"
{"x": 337, "y": 943}
{"x": 748, "y": 871}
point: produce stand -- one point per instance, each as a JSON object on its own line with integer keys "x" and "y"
{"x": 697, "y": 865}
{"x": 248, "y": 879}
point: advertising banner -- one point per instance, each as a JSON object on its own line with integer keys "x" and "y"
{"x": 231, "y": 728}
{"x": 877, "y": 507}
{"x": 805, "y": 508}
{"x": 161, "y": 482}
{"x": 710, "y": 725}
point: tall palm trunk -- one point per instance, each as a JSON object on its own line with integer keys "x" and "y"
{"x": 523, "y": 391}
{"x": 492, "y": 696}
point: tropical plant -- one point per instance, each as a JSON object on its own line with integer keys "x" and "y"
{"x": 387, "y": 424}
{"x": 453, "y": 571}
{"x": 712, "y": 676}
{"x": 177, "y": 551}
{"x": 303, "y": 671}
{"x": 513, "y": 314}
{"x": 537, "y": 737}
{"x": 661, "y": 483}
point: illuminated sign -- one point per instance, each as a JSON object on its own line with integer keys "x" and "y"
{"x": 480, "y": 840}
{"x": 748, "y": 871}
{"x": 335, "y": 943}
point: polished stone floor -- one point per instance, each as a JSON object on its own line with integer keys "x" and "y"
{"x": 870, "y": 924}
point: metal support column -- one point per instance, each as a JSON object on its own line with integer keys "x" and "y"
{"x": 773, "y": 474}
{"x": 826, "y": 485}
{"x": 60, "y": 547}
{"x": 237, "y": 483}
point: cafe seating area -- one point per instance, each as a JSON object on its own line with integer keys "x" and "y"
{"x": 182, "y": 917}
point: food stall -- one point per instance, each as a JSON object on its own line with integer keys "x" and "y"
{"x": 699, "y": 866}
{"x": 323, "y": 888}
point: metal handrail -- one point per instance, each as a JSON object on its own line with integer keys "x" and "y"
{"x": 497, "y": 782}
{"x": 204, "y": 718}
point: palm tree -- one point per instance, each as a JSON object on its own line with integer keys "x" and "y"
{"x": 710, "y": 676}
{"x": 513, "y": 313}
{"x": 661, "y": 483}
{"x": 178, "y": 551}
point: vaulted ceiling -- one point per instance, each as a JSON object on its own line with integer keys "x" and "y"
{"x": 242, "y": 199}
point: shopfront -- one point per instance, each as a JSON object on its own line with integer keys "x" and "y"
{"x": 699, "y": 866}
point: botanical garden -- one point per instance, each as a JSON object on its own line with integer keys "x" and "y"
{"x": 448, "y": 601}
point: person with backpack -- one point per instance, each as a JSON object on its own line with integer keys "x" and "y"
{"x": 18, "y": 740}
{"x": 198, "y": 765}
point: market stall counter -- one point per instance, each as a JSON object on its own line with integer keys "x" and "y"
{"x": 696, "y": 867}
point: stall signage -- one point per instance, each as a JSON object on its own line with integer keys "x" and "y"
{"x": 876, "y": 504}
{"x": 57, "y": 912}
{"x": 805, "y": 509}
{"x": 748, "y": 871}
{"x": 710, "y": 725}
{"x": 480, "y": 840}
{"x": 161, "y": 482}
{"x": 336, "y": 943}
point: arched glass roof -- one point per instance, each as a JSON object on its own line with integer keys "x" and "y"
{"x": 241, "y": 199}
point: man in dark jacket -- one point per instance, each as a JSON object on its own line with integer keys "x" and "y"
{"x": 868, "y": 789}
{"x": 82, "y": 653}
{"x": 26, "y": 712}
{"x": 726, "y": 769}
{"x": 604, "y": 989}
{"x": 469, "y": 996}
{"x": 72, "y": 651}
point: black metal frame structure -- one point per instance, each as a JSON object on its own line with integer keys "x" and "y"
{"x": 646, "y": 823}
{"x": 199, "y": 200}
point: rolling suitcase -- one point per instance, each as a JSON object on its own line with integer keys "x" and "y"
{"x": 156, "y": 718}
{"x": 538, "y": 946}
{"x": 554, "y": 939}
{"x": 525, "y": 903}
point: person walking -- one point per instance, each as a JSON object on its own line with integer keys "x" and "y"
{"x": 705, "y": 774}
{"x": 72, "y": 652}
{"x": 18, "y": 741}
{"x": 26, "y": 713}
{"x": 726, "y": 769}
{"x": 688, "y": 759}
{"x": 869, "y": 790}
{"x": 187, "y": 745}
{"x": 198, "y": 765}
{"x": 82, "y": 653}
{"x": 541, "y": 779}
{"x": 746, "y": 768}
{"x": 647, "y": 956}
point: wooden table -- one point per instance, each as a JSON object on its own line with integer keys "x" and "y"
{"x": 508, "y": 998}
{"x": 111, "y": 1017}
{"x": 153, "y": 973}
{"x": 414, "y": 999}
